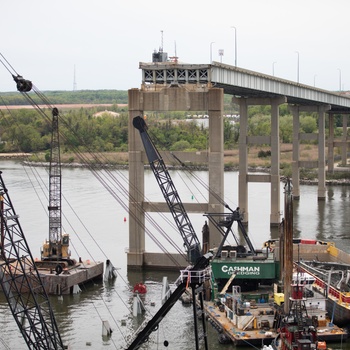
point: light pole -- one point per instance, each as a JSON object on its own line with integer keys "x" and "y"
{"x": 297, "y": 52}
{"x": 221, "y": 53}
{"x": 273, "y": 68}
{"x": 211, "y": 51}
{"x": 235, "y": 45}
{"x": 315, "y": 79}
{"x": 339, "y": 79}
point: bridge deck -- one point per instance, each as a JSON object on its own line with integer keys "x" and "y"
{"x": 242, "y": 83}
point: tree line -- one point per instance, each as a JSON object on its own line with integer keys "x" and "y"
{"x": 68, "y": 97}
{"x": 25, "y": 130}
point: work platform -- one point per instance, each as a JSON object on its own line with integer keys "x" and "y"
{"x": 79, "y": 274}
{"x": 64, "y": 283}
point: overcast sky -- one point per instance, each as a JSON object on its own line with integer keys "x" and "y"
{"x": 103, "y": 41}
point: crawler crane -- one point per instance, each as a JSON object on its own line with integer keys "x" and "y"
{"x": 55, "y": 252}
{"x": 21, "y": 282}
{"x": 199, "y": 271}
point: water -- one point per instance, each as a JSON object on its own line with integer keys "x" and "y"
{"x": 98, "y": 225}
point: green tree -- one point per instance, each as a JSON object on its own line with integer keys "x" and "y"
{"x": 308, "y": 124}
{"x": 286, "y": 129}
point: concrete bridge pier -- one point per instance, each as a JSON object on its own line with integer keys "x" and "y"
{"x": 164, "y": 97}
{"x": 343, "y": 143}
{"x": 320, "y": 138}
{"x": 273, "y": 140}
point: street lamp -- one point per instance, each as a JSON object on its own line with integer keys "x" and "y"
{"x": 339, "y": 79}
{"x": 297, "y": 52}
{"x": 273, "y": 68}
{"x": 235, "y": 45}
{"x": 221, "y": 53}
{"x": 315, "y": 79}
{"x": 211, "y": 51}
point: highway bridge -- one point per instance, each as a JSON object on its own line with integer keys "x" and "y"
{"x": 241, "y": 82}
{"x": 173, "y": 86}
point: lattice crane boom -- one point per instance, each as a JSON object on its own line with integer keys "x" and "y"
{"x": 55, "y": 184}
{"x": 170, "y": 193}
{"x": 21, "y": 282}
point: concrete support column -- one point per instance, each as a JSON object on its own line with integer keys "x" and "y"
{"x": 275, "y": 164}
{"x": 330, "y": 162}
{"x": 243, "y": 159}
{"x": 136, "y": 185}
{"x": 321, "y": 154}
{"x": 216, "y": 158}
{"x": 296, "y": 152}
{"x": 344, "y": 144}
{"x": 172, "y": 99}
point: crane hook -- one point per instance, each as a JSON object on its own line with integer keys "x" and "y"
{"x": 23, "y": 85}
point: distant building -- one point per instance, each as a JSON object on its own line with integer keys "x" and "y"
{"x": 105, "y": 112}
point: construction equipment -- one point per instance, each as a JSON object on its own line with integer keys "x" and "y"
{"x": 55, "y": 251}
{"x": 21, "y": 282}
{"x": 199, "y": 270}
{"x": 223, "y": 223}
{"x": 170, "y": 194}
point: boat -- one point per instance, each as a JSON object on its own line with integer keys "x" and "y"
{"x": 250, "y": 267}
{"x": 329, "y": 267}
{"x": 297, "y": 329}
{"x": 244, "y": 319}
{"x": 332, "y": 281}
{"x": 300, "y": 328}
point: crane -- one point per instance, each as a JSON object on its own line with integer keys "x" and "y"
{"x": 223, "y": 222}
{"x": 21, "y": 282}
{"x": 55, "y": 251}
{"x": 170, "y": 193}
{"x": 196, "y": 274}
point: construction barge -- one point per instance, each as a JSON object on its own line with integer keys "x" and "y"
{"x": 253, "y": 319}
{"x": 71, "y": 278}
{"x": 242, "y": 323}
{"x": 68, "y": 281}
{"x": 250, "y": 316}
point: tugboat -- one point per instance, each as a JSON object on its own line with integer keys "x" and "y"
{"x": 298, "y": 331}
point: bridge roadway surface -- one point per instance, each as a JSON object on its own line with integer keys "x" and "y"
{"x": 241, "y": 82}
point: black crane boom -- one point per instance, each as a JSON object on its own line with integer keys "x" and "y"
{"x": 21, "y": 282}
{"x": 170, "y": 194}
{"x": 55, "y": 185}
{"x": 194, "y": 276}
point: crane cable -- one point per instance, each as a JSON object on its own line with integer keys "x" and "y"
{"x": 191, "y": 174}
{"x": 23, "y": 84}
{"x": 38, "y": 177}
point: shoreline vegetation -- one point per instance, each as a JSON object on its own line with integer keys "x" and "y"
{"x": 256, "y": 163}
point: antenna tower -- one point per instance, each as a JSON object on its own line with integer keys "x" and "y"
{"x": 161, "y": 43}
{"x": 74, "y": 81}
{"x": 174, "y": 58}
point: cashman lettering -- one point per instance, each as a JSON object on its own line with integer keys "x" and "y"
{"x": 241, "y": 270}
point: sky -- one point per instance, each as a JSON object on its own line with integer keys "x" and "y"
{"x": 99, "y": 44}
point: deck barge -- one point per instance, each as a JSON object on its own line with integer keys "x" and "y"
{"x": 251, "y": 328}
{"x": 79, "y": 274}
{"x": 64, "y": 282}
{"x": 256, "y": 322}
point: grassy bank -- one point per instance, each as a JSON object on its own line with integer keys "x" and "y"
{"x": 258, "y": 158}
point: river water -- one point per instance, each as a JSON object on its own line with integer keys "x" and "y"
{"x": 98, "y": 227}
